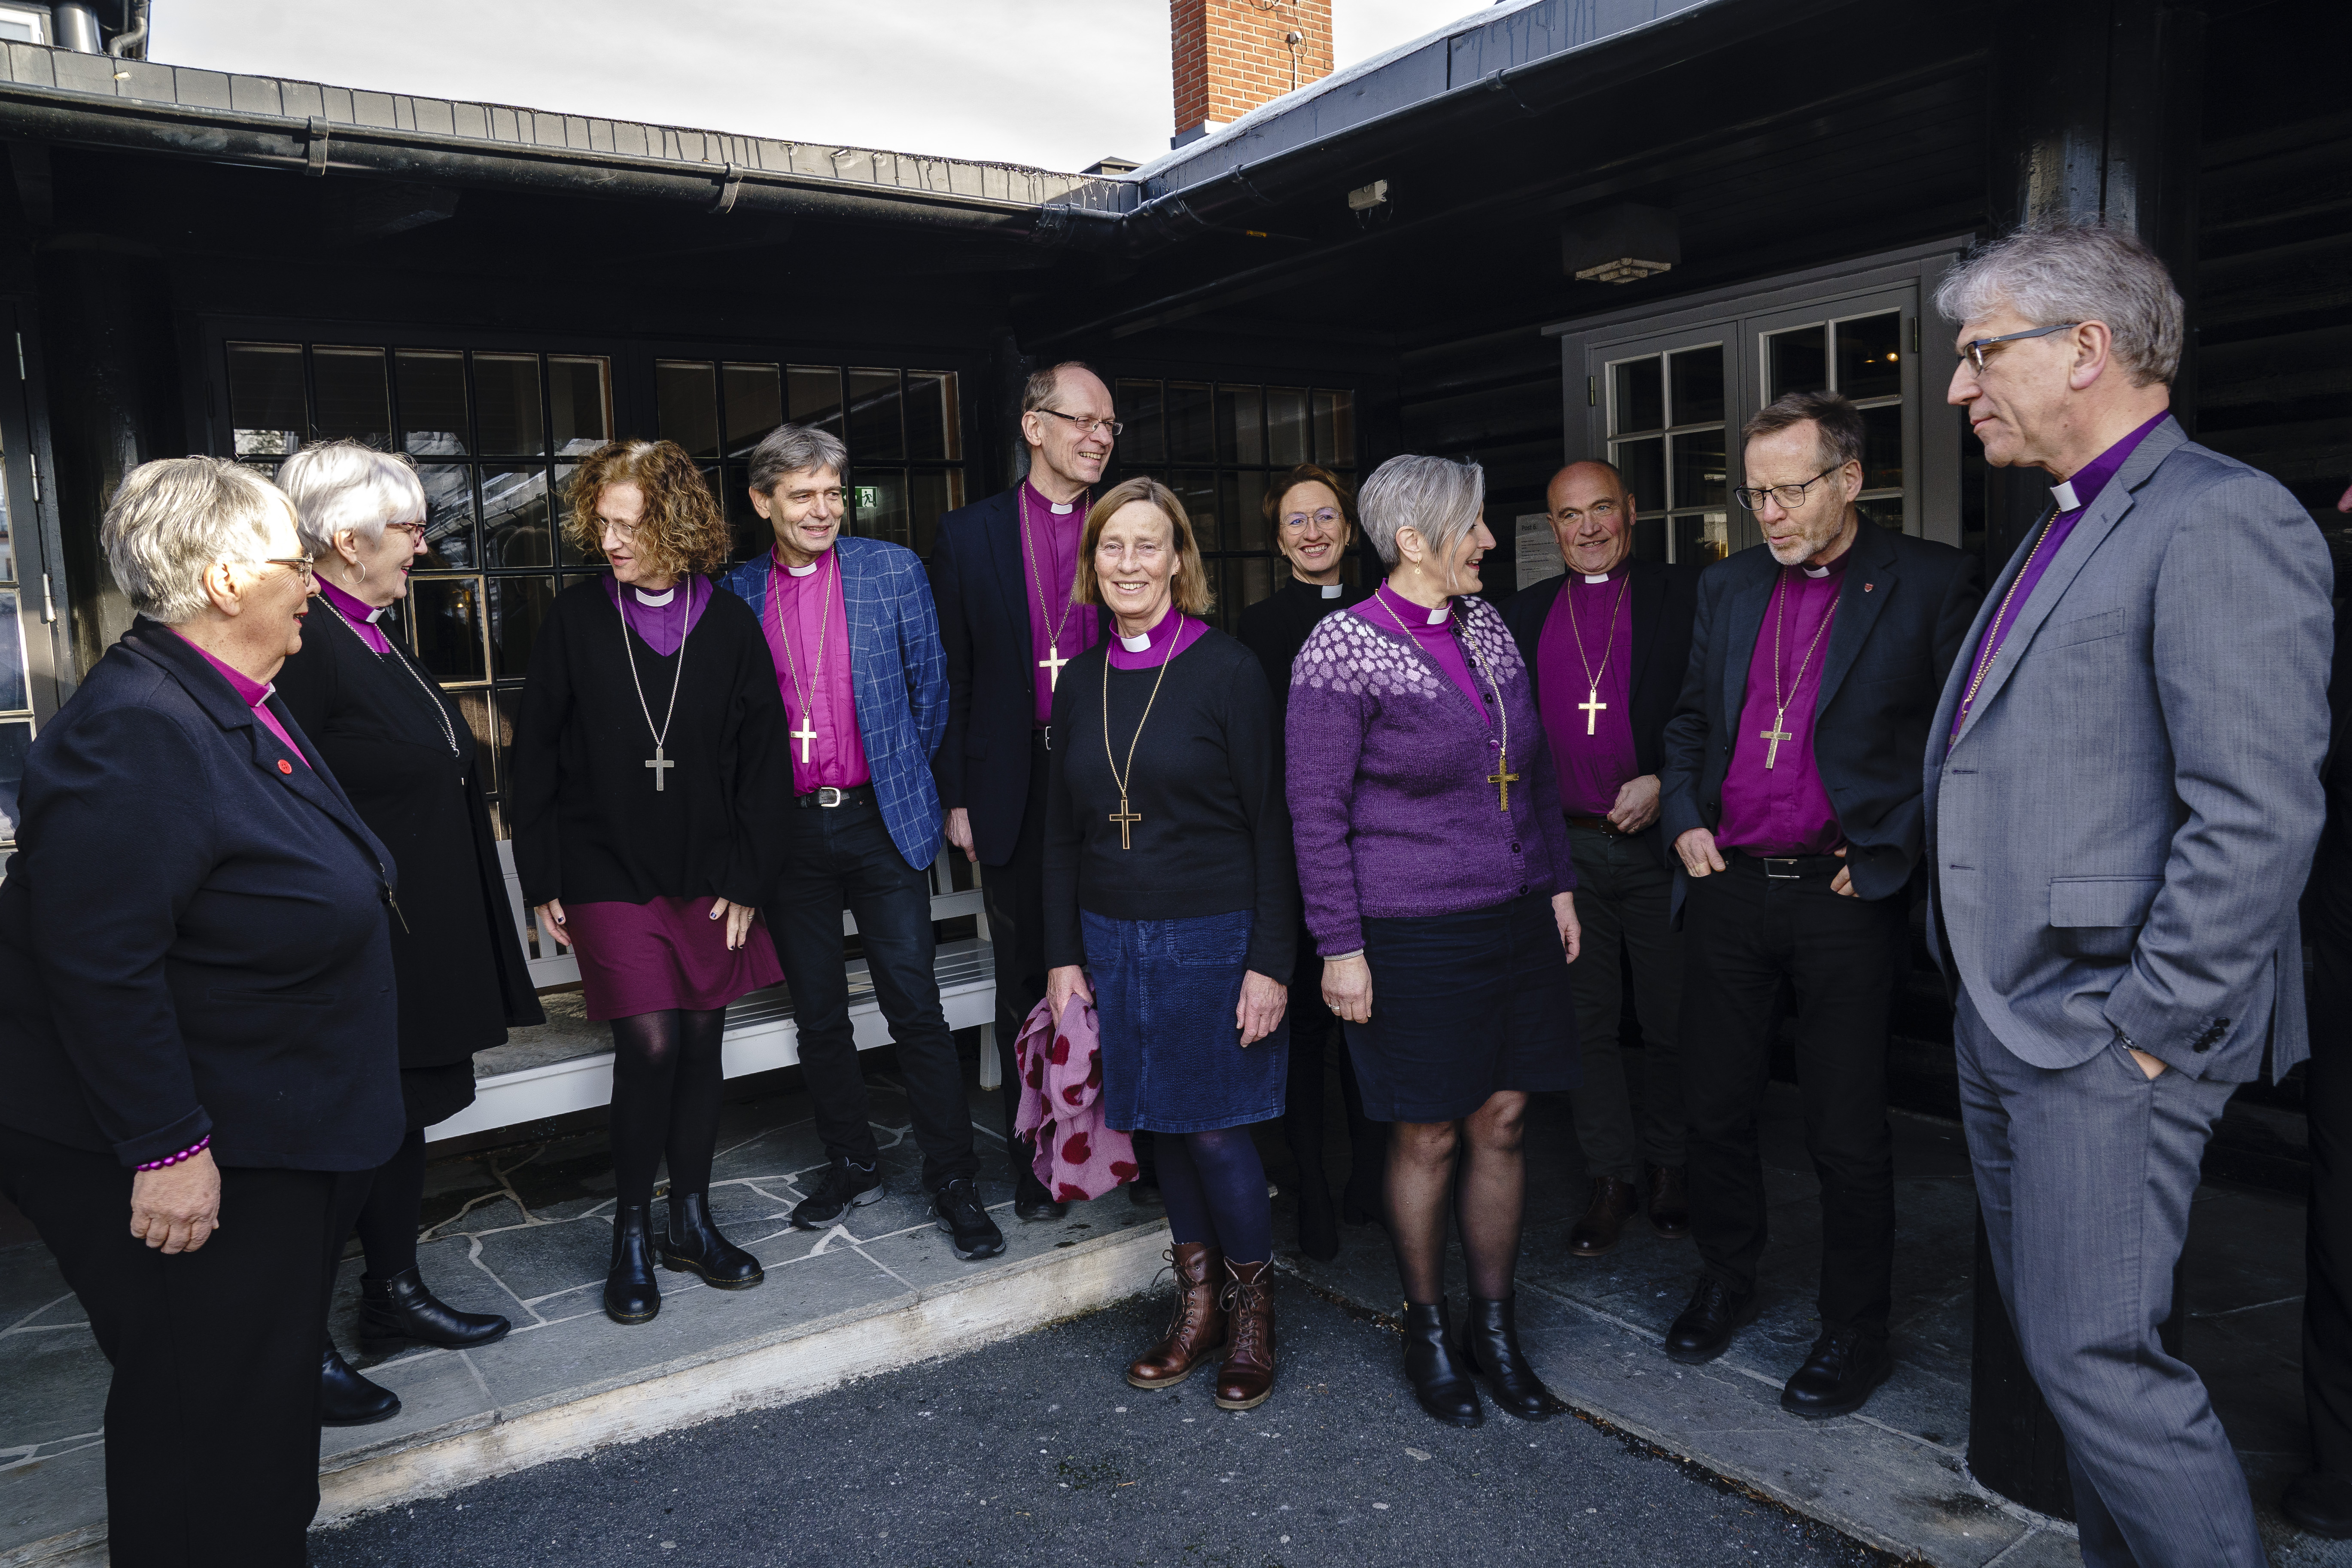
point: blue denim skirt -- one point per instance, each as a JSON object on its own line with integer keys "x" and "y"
{"x": 1462, "y": 1005}
{"x": 1165, "y": 992}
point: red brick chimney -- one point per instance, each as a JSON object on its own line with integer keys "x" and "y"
{"x": 1231, "y": 56}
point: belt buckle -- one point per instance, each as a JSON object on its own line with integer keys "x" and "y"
{"x": 1047, "y": 732}
{"x": 827, "y": 795}
{"x": 1770, "y": 861}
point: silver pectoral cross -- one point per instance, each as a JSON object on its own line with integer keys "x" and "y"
{"x": 660, "y": 768}
{"x": 1776, "y": 734}
{"x": 1591, "y": 707}
{"x": 804, "y": 736}
{"x": 1052, "y": 665}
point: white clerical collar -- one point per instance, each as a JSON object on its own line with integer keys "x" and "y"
{"x": 1173, "y": 620}
{"x": 807, "y": 571}
{"x": 373, "y": 614}
{"x": 1596, "y": 578}
{"x": 1062, "y": 508}
{"x": 1328, "y": 590}
{"x": 1815, "y": 573}
{"x": 656, "y": 601}
{"x": 2063, "y": 492}
{"x": 1135, "y": 645}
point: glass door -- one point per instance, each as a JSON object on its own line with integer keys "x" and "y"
{"x": 1666, "y": 435}
{"x": 1861, "y": 347}
{"x": 31, "y": 584}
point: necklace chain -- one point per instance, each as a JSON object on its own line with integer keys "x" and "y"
{"x": 1029, "y": 550}
{"x": 824, "y": 620}
{"x": 1992, "y": 632}
{"x": 1174, "y": 638}
{"x": 1608, "y": 648}
{"x": 1502, "y": 713}
{"x": 1779, "y": 608}
{"x": 661, "y": 736}
{"x": 439, "y": 711}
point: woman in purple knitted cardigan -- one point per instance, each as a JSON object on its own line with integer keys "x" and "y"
{"x": 1435, "y": 866}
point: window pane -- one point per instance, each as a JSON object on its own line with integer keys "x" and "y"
{"x": 873, "y": 429}
{"x": 565, "y": 551}
{"x": 1139, "y": 409}
{"x": 1241, "y": 425}
{"x": 266, "y": 405}
{"x": 1258, "y": 578}
{"x": 934, "y": 423}
{"x": 879, "y": 502}
{"x": 1649, "y": 538}
{"x": 1799, "y": 360}
{"x": 432, "y": 402}
{"x": 1285, "y": 426}
{"x": 7, "y": 539}
{"x": 929, "y": 497}
{"x": 449, "y": 516}
{"x": 686, "y": 405}
{"x": 14, "y": 693}
{"x": 747, "y": 530}
{"x": 475, "y": 706}
{"x": 580, "y": 391}
{"x": 515, "y": 517}
{"x": 449, "y": 627}
{"x": 505, "y": 703}
{"x": 506, "y": 387}
{"x": 1697, "y": 377}
{"x": 517, "y": 607}
{"x": 1198, "y": 491}
{"x": 1191, "y": 424}
{"x": 1637, "y": 399}
{"x": 15, "y": 740}
{"x": 1702, "y": 537}
{"x": 1881, "y": 448}
{"x": 352, "y": 392}
{"x": 1643, "y": 464}
{"x": 1335, "y": 429}
{"x": 1244, "y": 509}
{"x": 755, "y": 405}
{"x": 816, "y": 396}
{"x": 1699, "y": 468}
{"x": 1869, "y": 356}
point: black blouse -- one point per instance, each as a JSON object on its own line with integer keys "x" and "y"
{"x": 1276, "y": 628}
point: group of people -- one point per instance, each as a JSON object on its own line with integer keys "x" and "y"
{"x": 255, "y": 929}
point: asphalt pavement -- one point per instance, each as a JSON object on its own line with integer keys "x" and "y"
{"x": 1037, "y": 1452}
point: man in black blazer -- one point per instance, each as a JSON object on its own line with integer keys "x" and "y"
{"x": 1792, "y": 789}
{"x": 1615, "y": 634}
{"x": 1002, "y": 573}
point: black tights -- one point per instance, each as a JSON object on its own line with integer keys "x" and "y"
{"x": 666, "y": 1084}
{"x": 1493, "y": 1178}
{"x": 388, "y": 1223}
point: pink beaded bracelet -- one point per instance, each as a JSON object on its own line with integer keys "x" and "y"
{"x": 190, "y": 1152}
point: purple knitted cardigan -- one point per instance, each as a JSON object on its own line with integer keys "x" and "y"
{"x": 1388, "y": 762}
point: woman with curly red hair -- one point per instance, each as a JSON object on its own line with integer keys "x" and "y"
{"x": 642, "y": 807}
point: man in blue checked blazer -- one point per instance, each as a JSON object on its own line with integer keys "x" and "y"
{"x": 855, "y": 641}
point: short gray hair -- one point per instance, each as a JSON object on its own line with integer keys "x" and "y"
{"x": 1437, "y": 497}
{"x": 795, "y": 449}
{"x": 173, "y": 519}
{"x": 2077, "y": 273}
{"x": 340, "y": 485}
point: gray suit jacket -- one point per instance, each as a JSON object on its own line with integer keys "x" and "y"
{"x": 2119, "y": 831}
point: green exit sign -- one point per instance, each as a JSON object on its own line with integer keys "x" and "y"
{"x": 866, "y": 497}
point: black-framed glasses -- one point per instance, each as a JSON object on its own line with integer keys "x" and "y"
{"x": 1087, "y": 427}
{"x": 1974, "y": 351}
{"x": 1791, "y": 496}
{"x": 1296, "y": 521}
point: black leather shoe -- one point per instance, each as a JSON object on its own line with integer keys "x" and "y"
{"x": 630, "y": 1294}
{"x": 843, "y": 1187}
{"x": 1144, "y": 1195}
{"x": 956, "y": 1208}
{"x": 1439, "y": 1375}
{"x": 1704, "y": 1330}
{"x": 1030, "y": 1201}
{"x": 1490, "y": 1344}
{"x": 2320, "y": 1504}
{"x": 400, "y": 1310}
{"x": 693, "y": 1246}
{"x": 1845, "y": 1365}
{"x": 1318, "y": 1221}
{"x": 347, "y": 1399}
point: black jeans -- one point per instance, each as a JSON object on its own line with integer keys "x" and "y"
{"x": 842, "y": 854}
{"x": 1015, "y": 896}
{"x": 1744, "y": 934}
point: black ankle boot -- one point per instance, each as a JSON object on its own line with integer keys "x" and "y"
{"x": 1318, "y": 1222}
{"x": 695, "y": 1246}
{"x": 347, "y": 1399}
{"x": 630, "y": 1294}
{"x": 400, "y": 1310}
{"x": 1439, "y": 1379}
{"x": 1490, "y": 1344}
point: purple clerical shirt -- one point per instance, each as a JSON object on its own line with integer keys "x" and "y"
{"x": 2085, "y": 486}
{"x": 1773, "y": 801}
{"x": 1151, "y": 650}
{"x": 1387, "y": 609}
{"x": 361, "y": 616}
{"x": 808, "y": 637}
{"x": 1051, "y": 535}
{"x": 1592, "y": 749}
{"x": 255, "y": 695}
{"x": 663, "y": 625}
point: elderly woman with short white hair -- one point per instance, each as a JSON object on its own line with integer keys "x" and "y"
{"x": 196, "y": 1025}
{"x": 1435, "y": 872}
{"x": 408, "y": 762}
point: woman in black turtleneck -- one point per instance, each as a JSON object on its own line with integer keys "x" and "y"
{"x": 1312, "y": 518}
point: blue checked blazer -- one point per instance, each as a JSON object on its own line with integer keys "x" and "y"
{"x": 899, "y": 672}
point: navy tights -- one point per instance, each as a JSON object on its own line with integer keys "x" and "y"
{"x": 1214, "y": 1187}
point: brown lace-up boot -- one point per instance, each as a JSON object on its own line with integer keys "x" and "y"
{"x": 1197, "y": 1330}
{"x": 1245, "y": 1381}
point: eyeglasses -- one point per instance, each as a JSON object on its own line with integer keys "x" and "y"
{"x": 1297, "y": 521}
{"x": 308, "y": 565}
{"x": 1791, "y": 496}
{"x": 1975, "y": 351}
{"x": 1088, "y": 426}
{"x": 1599, "y": 511}
{"x": 415, "y": 530}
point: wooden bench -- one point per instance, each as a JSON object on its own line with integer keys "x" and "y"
{"x": 566, "y": 1064}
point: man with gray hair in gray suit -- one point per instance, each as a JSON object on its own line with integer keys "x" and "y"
{"x": 2123, "y": 794}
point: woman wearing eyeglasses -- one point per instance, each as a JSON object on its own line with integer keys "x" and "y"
{"x": 199, "y": 1057}
{"x": 1312, "y": 518}
{"x": 406, "y": 758}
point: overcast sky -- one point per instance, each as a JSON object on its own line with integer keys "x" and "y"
{"x": 1057, "y": 83}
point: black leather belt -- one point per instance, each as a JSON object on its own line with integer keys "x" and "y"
{"x": 1793, "y": 867}
{"x": 1598, "y": 825}
{"x": 828, "y": 797}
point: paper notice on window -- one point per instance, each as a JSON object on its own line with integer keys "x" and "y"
{"x": 1539, "y": 551}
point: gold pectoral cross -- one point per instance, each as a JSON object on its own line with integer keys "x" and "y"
{"x": 661, "y": 769}
{"x": 1502, "y": 778}
{"x": 1052, "y": 665}
{"x": 1591, "y": 707}
{"x": 1125, "y": 818}
{"x": 1776, "y": 735}
{"x": 804, "y": 736}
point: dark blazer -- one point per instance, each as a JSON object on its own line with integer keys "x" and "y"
{"x": 192, "y": 937}
{"x": 380, "y": 724}
{"x": 1277, "y": 626}
{"x": 1902, "y": 614}
{"x": 979, "y": 578}
{"x": 1661, "y": 604}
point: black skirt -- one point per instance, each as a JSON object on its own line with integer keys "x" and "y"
{"x": 1465, "y": 1006}
{"x": 434, "y": 1094}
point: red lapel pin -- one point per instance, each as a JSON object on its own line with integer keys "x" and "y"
{"x": 1866, "y": 587}
{"x": 284, "y": 766}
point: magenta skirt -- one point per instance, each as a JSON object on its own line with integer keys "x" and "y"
{"x": 663, "y": 953}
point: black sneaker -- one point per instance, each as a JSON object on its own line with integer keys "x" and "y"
{"x": 845, "y": 1186}
{"x": 961, "y": 1213}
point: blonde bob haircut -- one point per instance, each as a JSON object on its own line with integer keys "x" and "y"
{"x": 681, "y": 530}
{"x": 1190, "y": 589}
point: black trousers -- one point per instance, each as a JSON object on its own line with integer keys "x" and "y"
{"x": 842, "y": 854}
{"x": 1314, "y": 1029}
{"x": 2328, "y": 1232}
{"x": 212, "y": 1419}
{"x": 1015, "y": 896}
{"x": 1744, "y": 934}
